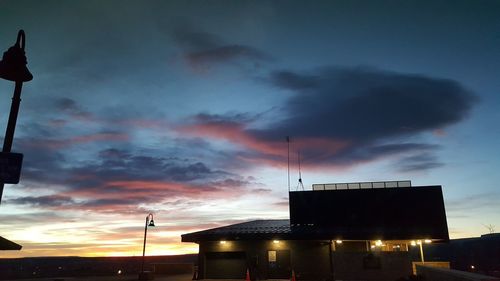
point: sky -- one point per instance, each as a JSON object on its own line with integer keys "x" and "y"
{"x": 182, "y": 108}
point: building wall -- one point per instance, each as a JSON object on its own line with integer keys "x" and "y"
{"x": 374, "y": 266}
{"x": 477, "y": 255}
{"x": 310, "y": 260}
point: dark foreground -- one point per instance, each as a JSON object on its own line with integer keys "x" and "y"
{"x": 83, "y": 268}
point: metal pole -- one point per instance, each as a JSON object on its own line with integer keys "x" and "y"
{"x": 330, "y": 255}
{"x": 144, "y": 246}
{"x": 421, "y": 252}
{"x": 288, "y": 143}
{"x": 11, "y": 125}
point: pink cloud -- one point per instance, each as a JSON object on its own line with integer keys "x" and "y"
{"x": 124, "y": 196}
{"x": 271, "y": 153}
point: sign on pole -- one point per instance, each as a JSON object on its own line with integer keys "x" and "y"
{"x": 10, "y": 167}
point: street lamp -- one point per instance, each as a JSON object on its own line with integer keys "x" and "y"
{"x": 148, "y": 223}
{"x": 13, "y": 68}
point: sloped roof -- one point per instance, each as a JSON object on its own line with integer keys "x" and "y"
{"x": 252, "y": 230}
{"x": 6, "y": 244}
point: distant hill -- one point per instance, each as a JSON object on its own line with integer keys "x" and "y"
{"x": 81, "y": 266}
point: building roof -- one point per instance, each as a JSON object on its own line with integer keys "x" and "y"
{"x": 358, "y": 214}
{"x": 252, "y": 230}
{"x": 282, "y": 230}
{"x": 6, "y": 244}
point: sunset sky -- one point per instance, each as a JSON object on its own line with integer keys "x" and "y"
{"x": 181, "y": 108}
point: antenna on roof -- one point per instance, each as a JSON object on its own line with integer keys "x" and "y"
{"x": 300, "y": 174}
{"x": 288, "y": 143}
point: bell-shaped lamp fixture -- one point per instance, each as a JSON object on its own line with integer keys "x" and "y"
{"x": 13, "y": 64}
{"x": 151, "y": 223}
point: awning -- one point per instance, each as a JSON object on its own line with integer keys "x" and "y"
{"x": 6, "y": 244}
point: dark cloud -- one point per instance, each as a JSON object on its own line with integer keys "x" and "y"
{"x": 119, "y": 164}
{"x": 420, "y": 162}
{"x": 117, "y": 180}
{"x": 226, "y": 54}
{"x": 345, "y": 116}
{"x": 42, "y": 201}
{"x": 294, "y": 81}
{"x": 365, "y": 104}
{"x": 72, "y": 108}
{"x": 370, "y": 110}
{"x": 205, "y": 49}
{"x": 40, "y": 165}
{"x": 228, "y": 118}
{"x": 368, "y": 152}
{"x": 234, "y": 183}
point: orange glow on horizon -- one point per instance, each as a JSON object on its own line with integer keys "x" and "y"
{"x": 151, "y": 250}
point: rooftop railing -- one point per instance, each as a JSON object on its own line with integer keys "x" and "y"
{"x": 361, "y": 185}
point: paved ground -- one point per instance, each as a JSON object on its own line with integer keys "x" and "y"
{"x": 184, "y": 277}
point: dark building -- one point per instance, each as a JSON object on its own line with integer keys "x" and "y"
{"x": 476, "y": 254}
{"x": 354, "y": 231}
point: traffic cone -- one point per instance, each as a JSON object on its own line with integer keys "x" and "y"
{"x": 293, "y": 276}
{"x": 248, "y": 275}
{"x": 195, "y": 274}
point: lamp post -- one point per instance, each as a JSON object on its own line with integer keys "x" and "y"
{"x": 420, "y": 244}
{"x": 148, "y": 223}
{"x": 421, "y": 251}
{"x": 13, "y": 68}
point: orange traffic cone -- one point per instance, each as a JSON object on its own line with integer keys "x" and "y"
{"x": 293, "y": 276}
{"x": 248, "y": 275}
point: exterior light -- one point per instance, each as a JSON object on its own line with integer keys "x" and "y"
{"x": 427, "y": 241}
{"x": 372, "y": 246}
{"x": 119, "y": 272}
{"x": 378, "y": 243}
{"x": 276, "y": 241}
{"x": 222, "y": 242}
{"x": 472, "y": 267}
{"x": 338, "y": 241}
{"x": 419, "y": 242}
{"x": 13, "y": 63}
{"x": 413, "y": 243}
